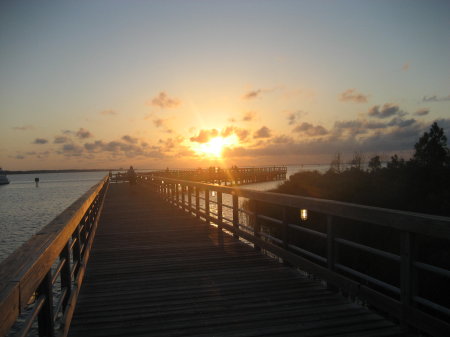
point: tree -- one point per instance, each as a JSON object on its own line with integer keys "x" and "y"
{"x": 431, "y": 149}
{"x": 358, "y": 161}
{"x": 374, "y": 164}
{"x": 337, "y": 164}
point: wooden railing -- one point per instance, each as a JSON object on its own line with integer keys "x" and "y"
{"x": 403, "y": 301}
{"x": 230, "y": 176}
{"x": 40, "y": 281}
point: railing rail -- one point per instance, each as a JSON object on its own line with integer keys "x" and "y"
{"x": 50, "y": 267}
{"x": 230, "y": 176}
{"x": 402, "y": 302}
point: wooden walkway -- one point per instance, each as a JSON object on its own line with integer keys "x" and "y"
{"x": 156, "y": 271}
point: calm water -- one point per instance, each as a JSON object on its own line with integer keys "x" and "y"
{"x": 25, "y": 208}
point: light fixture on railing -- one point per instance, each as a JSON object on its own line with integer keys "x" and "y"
{"x": 304, "y": 214}
{"x": 213, "y": 193}
{"x": 162, "y": 181}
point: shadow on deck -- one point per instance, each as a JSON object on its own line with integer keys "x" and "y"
{"x": 154, "y": 270}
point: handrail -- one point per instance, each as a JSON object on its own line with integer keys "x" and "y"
{"x": 401, "y": 302}
{"x": 64, "y": 243}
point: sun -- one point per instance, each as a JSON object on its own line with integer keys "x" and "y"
{"x": 215, "y": 146}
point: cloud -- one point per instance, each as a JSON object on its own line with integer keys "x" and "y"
{"x": 252, "y": 94}
{"x": 388, "y": 110}
{"x": 310, "y": 129}
{"x": 294, "y": 116}
{"x": 242, "y": 134}
{"x": 61, "y": 139}
{"x": 130, "y": 139}
{"x": 163, "y": 101}
{"x": 108, "y": 113}
{"x": 263, "y": 132}
{"x": 20, "y": 157}
{"x": 123, "y": 149}
{"x": 249, "y": 116}
{"x": 23, "y": 128}
{"x": 436, "y": 98}
{"x": 406, "y": 66}
{"x": 350, "y": 95}
{"x": 422, "y": 112}
{"x": 40, "y": 141}
{"x": 70, "y": 150}
{"x": 83, "y": 134}
{"x": 204, "y": 136}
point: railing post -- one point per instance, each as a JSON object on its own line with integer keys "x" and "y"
{"x": 219, "y": 211}
{"x": 190, "y": 199}
{"x": 45, "y": 317}
{"x": 66, "y": 277}
{"x": 284, "y": 228}
{"x": 172, "y": 186}
{"x": 406, "y": 276}
{"x": 183, "y": 205}
{"x": 235, "y": 214}
{"x": 331, "y": 249}
{"x": 207, "y": 207}
{"x": 177, "y": 195}
{"x": 197, "y": 202}
{"x": 256, "y": 223}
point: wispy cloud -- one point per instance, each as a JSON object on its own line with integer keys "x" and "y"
{"x": 252, "y": 94}
{"x": 436, "y": 98}
{"x": 387, "y": 110}
{"x": 129, "y": 139}
{"x": 163, "y": 101}
{"x": 205, "y": 135}
{"x": 108, "y": 113}
{"x": 422, "y": 112}
{"x": 310, "y": 129}
{"x": 249, "y": 116}
{"x": 294, "y": 116}
{"x": 83, "y": 133}
{"x": 40, "y": 141}
{"x": 351, "y": 95}
{"x": 24, "y": 127}
{"x": 61, "y": 139}
{"x": 263, "y": 132}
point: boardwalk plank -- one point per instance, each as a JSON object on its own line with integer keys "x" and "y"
{"x": 156, "y": 271}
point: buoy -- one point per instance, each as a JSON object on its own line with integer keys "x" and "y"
{"x": 36, "y": 180}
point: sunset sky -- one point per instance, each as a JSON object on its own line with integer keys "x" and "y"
{"x": 155, "y": 84}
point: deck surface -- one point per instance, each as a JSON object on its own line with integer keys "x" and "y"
{"x": 156, "y": 271}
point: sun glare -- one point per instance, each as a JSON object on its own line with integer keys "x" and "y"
{"x": 215, "y": 146}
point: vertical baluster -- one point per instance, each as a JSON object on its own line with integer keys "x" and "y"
{"x": 256, "y": 223}
{"x": 235, "y": 213}
{"x": 76, "y": 252}
{"x": 285, "y": 228}
{"x": 177, "y": 195}
{"x": 197, "y": 202}
{"x": 190, "y": 199}
{"x": 183, "y": 204}
{"x": 45, "y": 317}
{"x": 406, "y": 277}
{"x": 66, "y": 277}
{"x": 207, "y": 207}
{"x": 331, "y": 248}
{"x": 219, "y": 211}
{"x": 172, "y": 187}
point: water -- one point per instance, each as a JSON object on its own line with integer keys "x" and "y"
{"x": 25, "y": 208}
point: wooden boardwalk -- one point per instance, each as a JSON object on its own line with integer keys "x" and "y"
{"x": 156, "y": 271}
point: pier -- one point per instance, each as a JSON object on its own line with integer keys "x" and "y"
{"x": 217, "y": 175}
{"x": 169, "y": 257}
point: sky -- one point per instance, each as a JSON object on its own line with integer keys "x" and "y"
{"x": 156, "y": 84}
